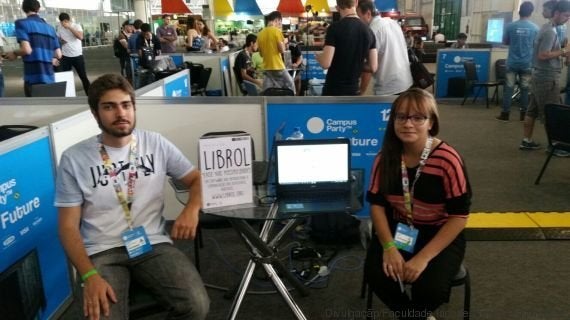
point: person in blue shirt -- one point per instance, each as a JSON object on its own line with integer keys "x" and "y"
{"x": 39, "y": 47}
{"x": 519, "y": 36}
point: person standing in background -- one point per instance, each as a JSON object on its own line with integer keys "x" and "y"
{"x": 134, "y": 36}
{"x": 393, "y": 74}
{"x": 547, "y": 64}
{"x": 39, "y": 48}
{"x": 350, "y": 49}
{"x": 124, "y": 59}
{"x": 2, "y": 56}
{"x": 167, "y": 35}
{"x": 519, "y": 36}
{"x": 272, "y": 45}
{"x": 70, "y": 35}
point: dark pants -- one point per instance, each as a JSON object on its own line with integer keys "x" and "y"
{"x": 428, "y": 292}
{"x": 79, "y": 64}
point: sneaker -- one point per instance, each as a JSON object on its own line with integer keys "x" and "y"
{"x": 559, "y": 153}
{"x": 503, "y": 117}
{"x": 523, "y": 114}
{"x": 529, "y": 145}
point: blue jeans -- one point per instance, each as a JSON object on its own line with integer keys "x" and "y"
{"x": 524, "y": 83}
{"x": 165, "y": 271}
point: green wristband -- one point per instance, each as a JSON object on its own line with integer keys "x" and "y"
{"x": 89, "y": 274}
{"x": 388, "y": 245}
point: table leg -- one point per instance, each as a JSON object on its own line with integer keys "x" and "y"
{"x": 283, "y": 290}
{"x": 242, "y": 289}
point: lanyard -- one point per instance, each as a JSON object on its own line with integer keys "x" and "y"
{"x": 409, "y": 193}
{"x": 113, "y": 173}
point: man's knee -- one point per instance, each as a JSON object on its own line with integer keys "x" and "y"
{"x": 195, "y": 308}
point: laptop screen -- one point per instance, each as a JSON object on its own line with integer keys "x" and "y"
{"x": 312, "y": 161}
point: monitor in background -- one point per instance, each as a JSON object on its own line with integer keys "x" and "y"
{"x": 21, "y": 290}
{"x": 495, "y": 28}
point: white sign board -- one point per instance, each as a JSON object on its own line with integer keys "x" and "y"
{"x": 226, "y": 166}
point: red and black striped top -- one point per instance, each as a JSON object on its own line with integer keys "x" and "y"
{"x": 441, "y": 190}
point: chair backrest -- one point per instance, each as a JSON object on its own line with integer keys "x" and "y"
{"x": 204, "y": 78}
{"x": 501, "y": 70}
{"x": 250, "y": 88}
{"x": 470, "y": 71}
{"x": 195, "y": 72}
{"x": 278, "y": 92}
{"x": 556, "y": 123}
{"x": 56, "y": 89}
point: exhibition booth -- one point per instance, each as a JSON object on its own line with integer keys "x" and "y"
{"x": 34, "y": 263}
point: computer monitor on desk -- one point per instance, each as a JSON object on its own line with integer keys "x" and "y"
{"x": 313, "y": 175}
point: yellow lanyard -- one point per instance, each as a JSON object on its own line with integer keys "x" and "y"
{"x": 125, "y": 202}
{"x": 407, "y": 191}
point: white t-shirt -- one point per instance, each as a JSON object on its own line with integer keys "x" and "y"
{"x": 72, "y": 46}
{"x": 82, "y": 181}
{"x": 393, "y": 74}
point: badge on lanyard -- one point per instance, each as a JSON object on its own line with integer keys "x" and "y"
{"x": 136, "y": 242}
{"x": 405, "y": 237}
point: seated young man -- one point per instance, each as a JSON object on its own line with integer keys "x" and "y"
{"x": 243, "y": 67}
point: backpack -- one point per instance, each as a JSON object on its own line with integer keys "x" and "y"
{"x": 147, "y": 57}
{"x": 118, "y": 50}
{"x": 422, "y": 77}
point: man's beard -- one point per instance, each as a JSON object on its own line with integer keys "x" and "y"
{"x": 115, "y": 132}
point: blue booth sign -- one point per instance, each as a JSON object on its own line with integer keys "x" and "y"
{"x": 451, "y": 73}
{"x": 178, "y": 86}
{"x": 33, "y": 265}
{"x": 363, "y": 123}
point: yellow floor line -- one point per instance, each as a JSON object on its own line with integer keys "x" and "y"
{"x": 551, "y": 220}
{"x": 501, "y": 220}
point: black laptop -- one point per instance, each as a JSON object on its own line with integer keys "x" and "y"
{"x": 313, "y": 175}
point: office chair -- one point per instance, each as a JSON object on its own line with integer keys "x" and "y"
{"x": 199, "y": 78}
{"x": 472, "y": 81}
{"x": 462, "y": 278}
{"x": 278, "y": 92}
{"x": 556, "y": 124}
{"x": 9, "y": 131}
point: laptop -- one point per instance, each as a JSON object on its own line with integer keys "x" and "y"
{"x": 312, "y": 176}
{"x": 56, "y": 89}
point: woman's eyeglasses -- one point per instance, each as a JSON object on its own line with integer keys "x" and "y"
{"x": 416, "y": 118}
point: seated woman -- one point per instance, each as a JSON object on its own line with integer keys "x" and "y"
{"x": 419, "y": 203}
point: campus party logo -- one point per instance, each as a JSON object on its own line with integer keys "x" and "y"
{"x": 316, "y": 125}
{"x": 6, "y": 190}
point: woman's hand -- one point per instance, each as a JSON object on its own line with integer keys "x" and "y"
{"x": 393, "y": 265}
{"x": 413, "y": 268}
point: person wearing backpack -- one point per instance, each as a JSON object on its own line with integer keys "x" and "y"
{"x": 122, "y": 51}
{"x": 148, "y": 47}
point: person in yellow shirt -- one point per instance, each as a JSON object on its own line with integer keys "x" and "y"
{"x": 272, "y": 45}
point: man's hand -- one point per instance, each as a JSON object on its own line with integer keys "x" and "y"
{"x": 185, "y": 226}
{"x": 97, "y": 296}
